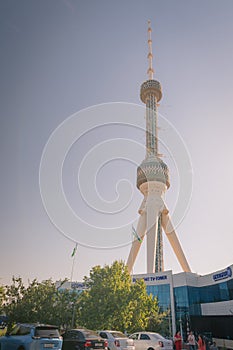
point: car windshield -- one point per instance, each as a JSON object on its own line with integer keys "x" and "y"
{"x": 47, "y": 332}
{"x": 15, "y": 330}
{"x": 118, "y": 335}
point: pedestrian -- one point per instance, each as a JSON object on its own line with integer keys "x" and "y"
{"x": 178, "y": 341}
{"x": 201, "y": 343}
{"x": 191, "y": 341}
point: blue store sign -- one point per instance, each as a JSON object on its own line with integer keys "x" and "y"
{"x": 222, "y": 275}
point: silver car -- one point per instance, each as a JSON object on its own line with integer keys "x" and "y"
{"x": 26, "y": 336}
{"x": 150, "y": 341}
{"x": 117, "y": 340}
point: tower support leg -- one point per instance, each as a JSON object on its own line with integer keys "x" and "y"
{"x": 150, "y": 210}
{"x": 141, "y": 229}
{"x": 172, "y": 237}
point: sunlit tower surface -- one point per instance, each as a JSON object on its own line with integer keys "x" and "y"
{"x": 153, "y": 181}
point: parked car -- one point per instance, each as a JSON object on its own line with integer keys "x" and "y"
{"x": 32, "y": 336}
{"x": 83, "y": 339}
{"x": 150, "y": 341}
{"x": 117, "y": 340}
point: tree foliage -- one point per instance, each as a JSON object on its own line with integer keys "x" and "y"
{"x": 112, "y": 301}
{"x": 2, "y": 297}
{"x": 38, "y": 302}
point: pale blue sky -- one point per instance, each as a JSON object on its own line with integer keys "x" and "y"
{"x": 60, "y": 56}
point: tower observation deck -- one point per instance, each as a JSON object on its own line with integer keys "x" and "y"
{"x": 153, "y": 181}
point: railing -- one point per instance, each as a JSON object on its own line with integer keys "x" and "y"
{"x": 223, "y": 343}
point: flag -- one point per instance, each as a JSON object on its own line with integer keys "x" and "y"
{"x": 74, "y": 251}
{"x": 136, "y": 235}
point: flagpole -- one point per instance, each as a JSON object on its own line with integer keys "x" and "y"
{"x": 132, "y": 256}
{"x": 72, "y": 269}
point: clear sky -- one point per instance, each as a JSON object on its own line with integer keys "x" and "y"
{"x": 59, "y": 57}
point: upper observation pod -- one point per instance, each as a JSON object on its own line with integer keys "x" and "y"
{"x": 152, "y": 168}
{"x": 150, "y": 88}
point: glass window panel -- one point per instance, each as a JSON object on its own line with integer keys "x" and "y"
{"x": 223, "y": 291}
{"x": 162, "y": 292}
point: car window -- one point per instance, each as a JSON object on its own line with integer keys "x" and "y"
{"x": 144, "y": 336}
{"x": 103, "y": 335}
{"x": 70, "y": 335}
{"x": 118, "y": 335}
{"x": 23, "y": 330}
{"x": 47, "y": 332}
{"x": 73, "y": 334}
{"x": 15, "y": 330}
{"x": 134, "y": 336}
{"x": 157, "y": 336}
{"x": 20, "y": 330}
{"x": 81, "y": 335}
{"x": 90, "y": 334}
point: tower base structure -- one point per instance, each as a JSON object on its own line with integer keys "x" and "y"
{"x": 150, "y": 210}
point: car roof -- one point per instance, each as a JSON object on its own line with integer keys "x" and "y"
{"x": 81, "y": 329}
{"x": 140, "y": 332}
{"x": 34, "y": 325}
{"x": 109, "y": 330}
{"x": 146, "y": 332}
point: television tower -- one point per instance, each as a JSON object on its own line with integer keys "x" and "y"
{"x": 153, "y": 181}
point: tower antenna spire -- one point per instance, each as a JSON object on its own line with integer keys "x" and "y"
{"x": 150, "y": 70}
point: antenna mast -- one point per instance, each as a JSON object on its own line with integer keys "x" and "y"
{"x": 150, "y": 70}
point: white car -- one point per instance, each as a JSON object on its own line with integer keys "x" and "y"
{"x": 150, "y": 341}
{"x": 117, "y": 340}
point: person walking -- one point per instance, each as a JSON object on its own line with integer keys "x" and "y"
{"x": 191, "y": 341}
{"x": 178, "y": 341}
{"x": 201, "y": 343}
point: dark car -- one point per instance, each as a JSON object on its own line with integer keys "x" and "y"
{"x": 32, "y": 336}
{"x": 83, "y": 339}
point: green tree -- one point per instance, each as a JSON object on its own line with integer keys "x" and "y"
{"x": 112, "y": 301}
{"x": 2, "y": 297}
{"x": 13, "y": 295}
{"x": 65, "y": 307}
{"x": 38, "y": 302}
{"x": 160, "y": 323}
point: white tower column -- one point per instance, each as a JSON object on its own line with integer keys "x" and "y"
{"x": 153, "y": 192}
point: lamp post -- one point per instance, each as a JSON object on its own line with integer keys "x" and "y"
{"x": 73, "y": 314}
{"x": 169, "y": 321}
{"x": 181, "y": 329}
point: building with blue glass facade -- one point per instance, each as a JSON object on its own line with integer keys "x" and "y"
{"x": 201, "y": 303}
